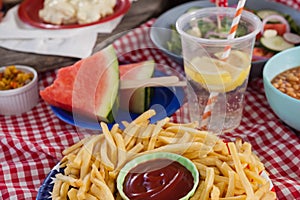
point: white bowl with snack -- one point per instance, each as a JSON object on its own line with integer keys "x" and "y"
{"x": 18, "y": 89}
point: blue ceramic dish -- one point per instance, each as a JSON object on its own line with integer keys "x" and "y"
{"x": 285, "y": 107}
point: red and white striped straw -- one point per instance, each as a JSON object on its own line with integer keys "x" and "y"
{"x": 234, "y": 26}
{"x": 214, "y": 95}
{"x": 208, "y": 110}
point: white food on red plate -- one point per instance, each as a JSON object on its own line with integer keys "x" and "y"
{"x": 75, "y": 11}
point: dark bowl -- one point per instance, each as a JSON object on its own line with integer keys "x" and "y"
{"x": 161, "y": 32}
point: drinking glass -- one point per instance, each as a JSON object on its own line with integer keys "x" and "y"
{"x": 217, "y": 67}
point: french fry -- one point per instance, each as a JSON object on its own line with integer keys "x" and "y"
{"x": 95, "y": 174}
{"x": 165, "y": 133}
{"x": 185, "y": 138}
{"x": 136, "y": 149}
{"x": 96, "y": 191}
{"x": 87, "y": 155}
{"x": 155, "y": 133}
{"x": 125, "y": 124}
{"x": 72, "y": 194}
{"x": 215, "y": 193}
{"x": 119, "y": 141}
{"x": 111, "y": 184}
{"x": 101, "y": 190}
{"x": 166, "y": 140}
{"x": 86, "y": 183}
{"x": 240, "y": 171}
{"x": 219, "y": 156}
{"x": 208, "y": 161}
{"x": 182, "y": 129}
{"x": 90, "y": 197}
{"x": 130, "y": 133}
{"x": 64, "y": 190}
{"x": 112, "y": 148}
{"x": 238, "y": 192}
{"x": 269, "y": 196}
{"x": 71, "y": 171}
{"x": 104, "y": 157}
{"x": 238, "y": 144}
{"x": 198, "y": 192}
{"x": 221, "y": 187}
{"x": 255, "y": 176}
{"x": 244, "y": 158}
{"x": 146, "y": 134}
{"x": 190, "y": 125}
{"x": 141, "y": 130}
{"x": 131, "y": 143}
{"x": 144, "y": 116}
{"x": 115, "y": 129}
{"x": 209, "y": 180}
{"x": 217, "y": 178}
{"x": 240, "y": 197}
{"x": 176, "y": 148}
{"x": 262, "y": 190}
{"x": 67, "y": 179}
{"x": 203, "y": 168}
{"x": 56, "y": 188}
{"x": 247, "y": 148}
{"x": 75, "y": 146}
{"x": 192, "y": 155}
{"x": 231, "y": 184}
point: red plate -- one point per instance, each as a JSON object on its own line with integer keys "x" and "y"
{"x": 29, "y": 9}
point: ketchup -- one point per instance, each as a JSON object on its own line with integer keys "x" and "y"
{"x": 158, "y": 179}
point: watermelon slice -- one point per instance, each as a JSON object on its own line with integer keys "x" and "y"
{"x": 136, "y": 100}
{"x": 89, "y": 87}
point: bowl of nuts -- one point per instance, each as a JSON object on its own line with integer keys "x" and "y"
{"x": 281, "y": 77}
{"x": 18, "y": 89}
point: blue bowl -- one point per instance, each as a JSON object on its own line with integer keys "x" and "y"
{"x": 285, "y": 107}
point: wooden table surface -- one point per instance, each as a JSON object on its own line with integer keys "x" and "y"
{"x": 140, "y": 12}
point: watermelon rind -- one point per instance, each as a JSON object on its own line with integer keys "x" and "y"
{"x": 140, "y": 98}
{"x": 104, "y": 111}
{"x": 96, "y": 85}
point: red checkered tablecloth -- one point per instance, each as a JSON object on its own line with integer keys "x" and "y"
{"x": 31, "y": 143}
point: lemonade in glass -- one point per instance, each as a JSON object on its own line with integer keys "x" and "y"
{"x": 217, "y": 68}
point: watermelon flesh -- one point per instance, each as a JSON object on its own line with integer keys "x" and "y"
{"x": 136, "y": 100}
{"x": 89, "y": 87}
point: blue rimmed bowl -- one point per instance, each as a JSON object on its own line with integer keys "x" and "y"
{"x": 284, "y": 106}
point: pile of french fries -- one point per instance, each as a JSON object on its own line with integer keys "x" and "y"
{"x": 228, "y": 171}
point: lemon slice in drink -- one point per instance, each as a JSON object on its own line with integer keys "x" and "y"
{"x": 218, "y": 75}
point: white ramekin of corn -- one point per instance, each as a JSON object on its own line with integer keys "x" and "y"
{"x": 18, "y": 89}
